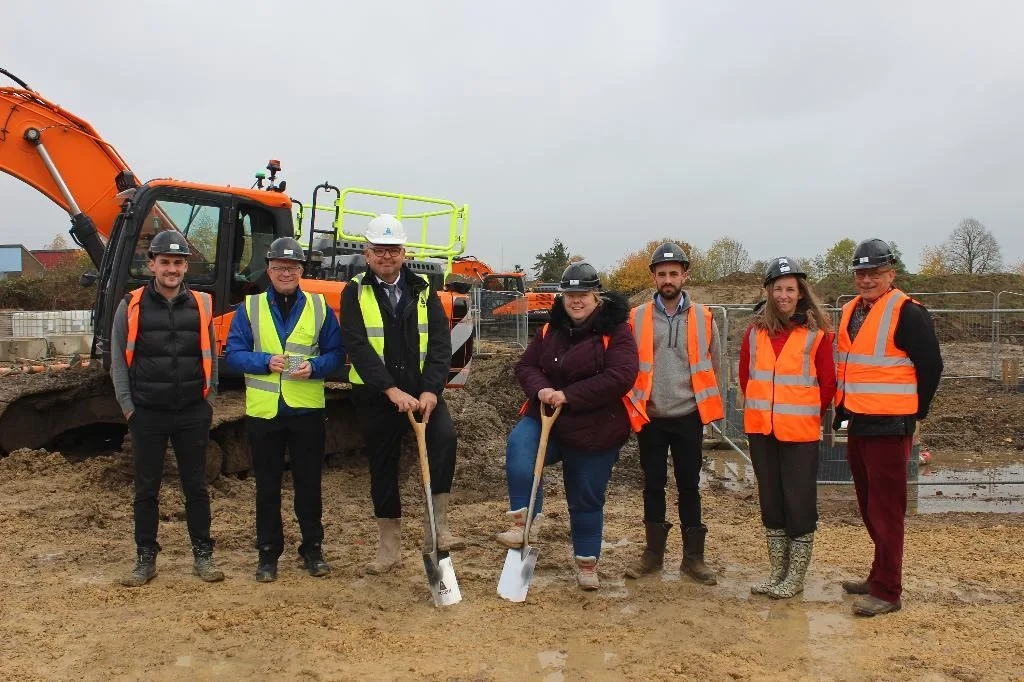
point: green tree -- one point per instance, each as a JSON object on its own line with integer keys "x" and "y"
{"x": 835, "y": 261}
{"x": 725, "y": 257}
{"x": 550, "y": 264}
{"x": 901, "y": 268}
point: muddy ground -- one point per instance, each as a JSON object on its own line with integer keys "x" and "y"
{"x": 67, "y": 537}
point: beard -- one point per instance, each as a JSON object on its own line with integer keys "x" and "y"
{"x": 670, "y": 291}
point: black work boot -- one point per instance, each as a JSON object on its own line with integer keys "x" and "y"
{"x": 654, "y": 553}
{"x": 693, "y": 555}
{"x": 202, "y": 563}
{"x": 266, "y": 569}
{"x": 145, "y": 568}
{"x": 313, "y": 560}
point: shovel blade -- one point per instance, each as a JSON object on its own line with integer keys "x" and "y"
{"x": 444, "y": 587}
{"x": 517, "y": 574}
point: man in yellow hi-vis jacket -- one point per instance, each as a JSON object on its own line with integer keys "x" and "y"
{"x": 399, "y": 345}
{"x": 286, "y": 341}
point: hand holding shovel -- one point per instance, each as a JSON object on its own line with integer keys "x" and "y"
{"x": 444, "y": 588}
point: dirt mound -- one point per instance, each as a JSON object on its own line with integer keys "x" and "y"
{"x": 26, "y": 463}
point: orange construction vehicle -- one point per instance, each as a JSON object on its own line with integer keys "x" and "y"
{"x": 114, "y": 216}
{"x": 509, "y": 291}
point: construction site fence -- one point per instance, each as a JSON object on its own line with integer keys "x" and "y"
{"x": 501, "y": 317}
{"x": 981, "y": 335}
{"x": 41, "y": 323}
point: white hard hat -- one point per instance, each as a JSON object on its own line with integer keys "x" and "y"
{"x": 385, "y": 229}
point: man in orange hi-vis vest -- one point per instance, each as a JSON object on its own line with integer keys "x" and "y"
{"x": 675, "y": 395}
{"x": 889, "y": 366}
{"x": 164, "y": 372}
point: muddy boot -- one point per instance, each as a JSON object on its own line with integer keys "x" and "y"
{"x": 266, "y": 568}
{"x": 586, "y": 572}
{"x": 313, "y": 560}
{"x": 856, "y": 587}
{"x": 778, "y": 557}
{"x": 145, "y": 568}
{"x": 654, "y": 553}
{"x": 513, "y": 537}
{"x": 693, "y": 555}
{"x": 445, "y": 540}
{"x": 202, "y": 563}
{"x": 799, "y": 559}
{"x": 389, "y": 549}
{"x": 869, "y": 606}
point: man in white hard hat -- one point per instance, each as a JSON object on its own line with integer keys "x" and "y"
{"x": 399, "y": 346}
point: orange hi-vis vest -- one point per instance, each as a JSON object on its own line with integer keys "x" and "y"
{"x": 782, "y": 396}
{"x": 698, "y": 348}
{"x": 606, "y": 340}
{"x": 205, "y": 304}
{"x": 874, "y": 376}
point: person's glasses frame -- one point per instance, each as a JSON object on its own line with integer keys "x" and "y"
{"x": 393, "y": 251}
{"x": 285, "y": 268}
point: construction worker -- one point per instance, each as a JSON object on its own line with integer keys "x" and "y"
{"x": 399, "y": 347}
{"x": 286, "y": 341}
{"x": 675, "y": 395}
{"x": 889, "y": 364}
{"x": 585, "y": 360}
{"x": 161, "y": 364}
{"x": 788, "y": 378}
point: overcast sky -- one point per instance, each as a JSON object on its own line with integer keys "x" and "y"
{"x": 787, "y": 126}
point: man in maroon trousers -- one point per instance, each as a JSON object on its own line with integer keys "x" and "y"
{"x": 889, "y": 366}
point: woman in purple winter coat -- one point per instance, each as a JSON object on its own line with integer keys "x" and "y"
{"x": 585, "y": 360}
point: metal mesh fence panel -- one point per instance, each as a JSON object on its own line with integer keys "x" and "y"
{"x": 501, "y": 317}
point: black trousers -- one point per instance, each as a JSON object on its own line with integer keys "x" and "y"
{"x": 302, "y": 436}
{"x": 787, "y": 483}
{"x": 189, "y": 433}
{"x": 383, "y": 428}
{"x": 683, "y": 436}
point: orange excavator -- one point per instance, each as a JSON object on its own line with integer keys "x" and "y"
{"x": 503, "y": 293}
{"x": 113, "y": 218}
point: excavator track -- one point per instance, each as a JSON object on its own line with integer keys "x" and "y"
{"x": 47, "y": 410}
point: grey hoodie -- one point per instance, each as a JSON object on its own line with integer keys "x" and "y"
{"x": 672, "y": 392}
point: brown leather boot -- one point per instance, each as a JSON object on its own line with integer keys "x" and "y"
{"x": 389, "y": 549}
{"x": 693, "y": 555}
{"x": 653, "y": 556}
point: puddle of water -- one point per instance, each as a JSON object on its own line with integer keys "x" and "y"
{"x": 552, "y": 659}
{"x": 184, "y": 662}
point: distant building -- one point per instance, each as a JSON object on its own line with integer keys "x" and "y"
{"x": 17, "y": 261}
{"x": 55, "y": 258}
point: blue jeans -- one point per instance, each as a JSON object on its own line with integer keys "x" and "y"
{"x": 585, "y": 475}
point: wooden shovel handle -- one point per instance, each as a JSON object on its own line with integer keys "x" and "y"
{"x": 421, "y": 444}
{"x": 546, "y": 422}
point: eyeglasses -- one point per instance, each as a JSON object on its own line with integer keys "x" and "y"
{"x": 290, "y": 269}
{"x": 870, "y": 273}
{"x": 387, "y": 250}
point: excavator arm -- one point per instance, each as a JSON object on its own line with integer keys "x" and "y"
{"x": 63, "y": 157}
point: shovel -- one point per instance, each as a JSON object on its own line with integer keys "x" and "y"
{"x": 444, "y": 588}
{"x": 517, "y": 573}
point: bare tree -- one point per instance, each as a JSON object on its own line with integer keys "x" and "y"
{"x": 972, "y": 250}
{"x": 59, "y": 242}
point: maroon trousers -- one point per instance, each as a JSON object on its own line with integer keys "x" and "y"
{"x": 879, "y": 468}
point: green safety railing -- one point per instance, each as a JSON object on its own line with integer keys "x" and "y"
{"x": 458, "y": 219}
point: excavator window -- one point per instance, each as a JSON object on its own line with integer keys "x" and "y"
{"x": 248, "y": 251}
{"x": 199, "y": 223}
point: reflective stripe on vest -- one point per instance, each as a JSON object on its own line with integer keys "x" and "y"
{"x": 605, "y": 339}
{"x": 698, "y": 348}
{"x": 873, "y": 375}
{"x": 782, "y": 396}
{"x": 373, "y": 319}
{"x": 205, "y": 305}
{"x": 262, "y": 391}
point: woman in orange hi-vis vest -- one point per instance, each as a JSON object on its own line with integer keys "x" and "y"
{"x": 788, "y": 377}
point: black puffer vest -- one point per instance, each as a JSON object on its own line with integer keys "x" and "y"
{"x": 167, "y": 370}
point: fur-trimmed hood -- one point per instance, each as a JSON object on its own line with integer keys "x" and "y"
{"x": 614, "y": 310}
